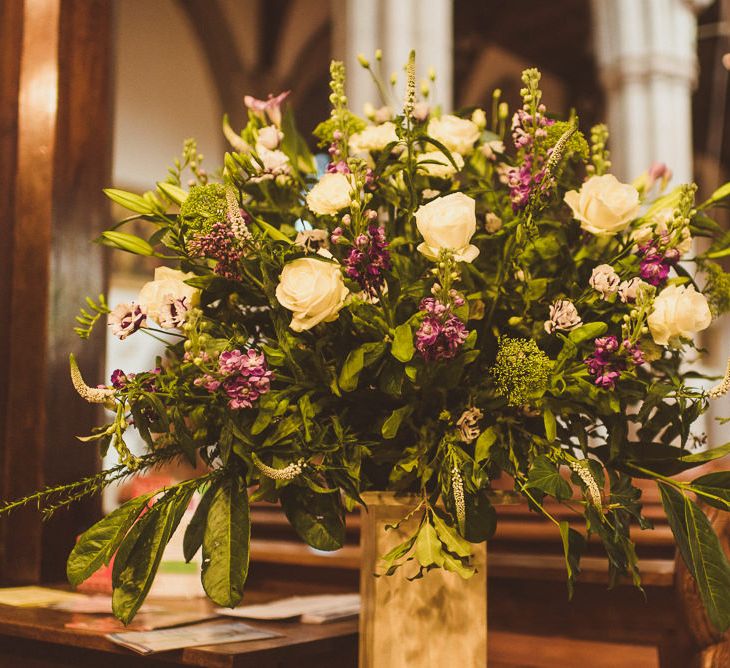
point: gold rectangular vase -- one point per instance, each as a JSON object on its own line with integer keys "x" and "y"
{"x": 437, "y": 621}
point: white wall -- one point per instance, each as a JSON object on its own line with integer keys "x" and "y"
{"x": 164, "y": 93}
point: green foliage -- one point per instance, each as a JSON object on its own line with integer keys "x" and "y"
{"x": 427, "y": 377}
{"x": 521, "y": 370}
{"x": 204, "y": 206}
{"x": 702, "y": 553}
{"x": 226, "y": 542}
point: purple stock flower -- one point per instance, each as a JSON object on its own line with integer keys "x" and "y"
{"x": 441, "y": 333}
{"x": 610, "y": 358}
{"x": 119, "y": 379}
{"x": 221, "y": 244}
{"x": 368, "y": 260}
{"x": 242, "y": 375}
{"x": 654, "y": 266}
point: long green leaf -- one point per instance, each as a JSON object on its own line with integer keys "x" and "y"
{"x": 573, "y": 545}
{"x": 544, "y": 475}
{"x": 194, "y": 532}
{"x": 226, "y": 544}
{"x": 702, "y": 553}
{"x": 127, "y": 242}
{"x": 319, "y": 519}
{"x": 142, "y": 558}
{"x": 130, "y": 201}
{"x": 97, "y": 545}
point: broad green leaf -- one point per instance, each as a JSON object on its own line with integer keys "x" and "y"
{"x": 402, "y": 348}
{"x": 702, "y": 553}
{"x": 319, "y": 519}
{"x": 551, "y": 427}
{"x": 351, "y": 369}
{"x": 127, "y": 242}
{"x": 129, "y": 201}
{"x": 226, "y": 544}
{"x": 544, "y": 475}
{"x": 573, "y": 545}
{"x": 481, "y": 518}
{"x": 193, "y": 538}
{"x": 394, "y": 420}
{"x": 96, "y": 546}
{"x": 720, "y": 194}
{"x": 457, "y": 566}
{"x": 718, "y": 485}
{"x": 588, "y": 331}
{"x": 428, "y": 546}
{"x": 484, "y": 444}
{"x": 173, "y": 192}
{"x": 356, "y": 360}
{"x": 141, "y": 560}
{"x": 451, "y": 539}
{"x": 707, "y": 455}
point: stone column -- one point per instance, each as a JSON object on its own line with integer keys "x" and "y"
{"x": 646, "y": 54}
{"x": 396, "y": 27}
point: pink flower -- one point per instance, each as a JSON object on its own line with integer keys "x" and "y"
{"x": 126, "y": 319}
{"x": 270, "y": 107}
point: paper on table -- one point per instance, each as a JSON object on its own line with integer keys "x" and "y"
{"x": 312, "y": 607}
{"x": 144, "y": 621}
{"x": 210, "y": 633}
{"x": 35, "y": 596}
{"x": 91, "y": 605}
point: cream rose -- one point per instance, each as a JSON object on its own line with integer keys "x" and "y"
{"x": 435, "y": 163}
{"x": 373, "y": 138}
{"x": 168, "y": 292}
{"x": 604, "y": 205}
{"x": 456, "y": 134}
{"x": 313, "y": 290}
{"x": 679, "y": 312}
{"x": 330, "y": 194}
{"x": 448, "y": 223}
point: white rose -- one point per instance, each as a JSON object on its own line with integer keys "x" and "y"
{"x": 274, "y": 162}
{"x": 448, "y": 223}
{"x": 456, "y": 134}
{"x": 270, "y": 137}
{"x": 605, "y": 280}
{"x": 604, "y": 205}
{"x": 313, "y": 290}
{"x": 330, "y": 194}
{"x": 373, "y": 138}
{"x": 168, "y": 287}
{"x": 435, "y": 163}
{"x": 679, "y": 312}
{"x": 563, "y": 315}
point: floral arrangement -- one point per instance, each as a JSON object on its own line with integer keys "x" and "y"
{"x": 458, "y": 297}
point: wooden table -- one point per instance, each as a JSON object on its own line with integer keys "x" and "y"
{"x": 37, "y": 638}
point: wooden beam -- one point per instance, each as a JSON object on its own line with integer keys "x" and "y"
{"x": 63, "y": 161}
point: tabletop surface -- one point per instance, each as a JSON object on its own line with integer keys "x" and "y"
{"x": 296, "y": 640}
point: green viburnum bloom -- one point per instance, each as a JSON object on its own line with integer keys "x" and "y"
{"x": 205, "y": 206}
{"x": 521, "y": 370}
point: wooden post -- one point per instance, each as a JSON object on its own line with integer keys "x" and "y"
{"x": 439, "y": 620}
{"x": 61, "y": 56}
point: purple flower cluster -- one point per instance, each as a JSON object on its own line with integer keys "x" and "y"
{"x": 221, "y": 244}
{"x": 441, "y": 333}
{"x": 338, "y": 167}
{"x": 120, "y": 379}
{"x": 655, "y": 264}
{"x": 610, "y": 357}
{"x": 242, "y": 376}
{"x": 522, "y": 178}
{"x": 368, "y": 260}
